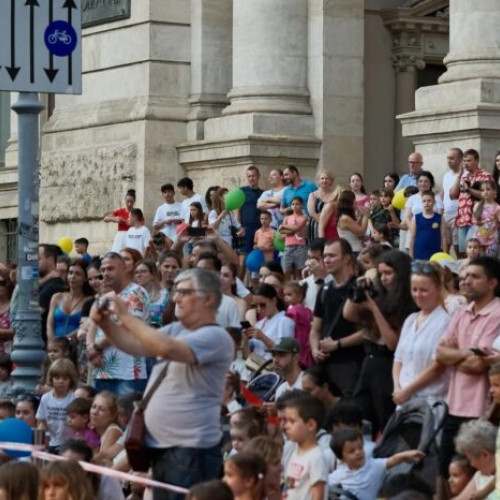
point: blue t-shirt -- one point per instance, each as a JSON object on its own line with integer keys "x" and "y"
{"x": 303, "y": 190}
{"x": 406, "y": 181}
{"x": 250, "y": 214}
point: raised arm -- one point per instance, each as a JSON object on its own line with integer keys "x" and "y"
{"x": 136, "y": 337}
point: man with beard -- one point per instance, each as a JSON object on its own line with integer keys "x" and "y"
{"x": 465, "y": 348}
{"x": 286, "y": 364}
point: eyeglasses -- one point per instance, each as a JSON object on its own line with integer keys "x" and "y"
{"x": 424, "y": 267}
{"x": 261, "y": 305}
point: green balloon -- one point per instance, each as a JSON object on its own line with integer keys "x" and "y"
{"x": 279, "y": 244}
{"x": 234, "y": 199}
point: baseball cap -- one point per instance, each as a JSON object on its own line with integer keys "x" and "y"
{"x": 286, "y": 344}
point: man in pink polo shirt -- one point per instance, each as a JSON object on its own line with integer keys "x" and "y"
{"x": 467, "y": 340}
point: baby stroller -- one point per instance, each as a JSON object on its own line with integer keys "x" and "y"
{"x": 263, "y": 384}
{"x": 415, "y": 425}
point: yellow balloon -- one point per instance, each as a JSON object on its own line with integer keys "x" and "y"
{"x": 66, "y": 244}
{"x": 399, "y": 200}
{"x": 439, "y": 256}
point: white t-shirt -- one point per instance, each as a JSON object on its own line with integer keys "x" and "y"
{"x": 224, "y": 226}
{"x": 228, "y": 313}
{"x": 285, "y": 386}
{"x": 187, "y": 202}
{"x": 276, "y": 328}
{"x": 414, "y": 204}
{"x": 53, "y": 411}
{"x": 304, "y": 471}
{"x": 417, "y": 349}
{"x": 312, "y": 290}
{"x": 168, "y": 211}
{"x": 277, "y": 216}
{"x": 450, "y": 206}
{"x": 137, "y": 238}
{"x": 365, "y": 482}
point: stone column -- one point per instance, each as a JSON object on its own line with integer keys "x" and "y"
{"x": 464, "y": 109}
{"x": 474, "y": 41}
{"x": 269, "y": 57}
{"x": 407, "y": 60}
{"x": 211, "y": 62}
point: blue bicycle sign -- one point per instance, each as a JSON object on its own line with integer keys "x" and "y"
{"x": 60, "y": 38}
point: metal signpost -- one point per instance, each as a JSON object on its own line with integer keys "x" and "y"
{"x": 40, "y": 51}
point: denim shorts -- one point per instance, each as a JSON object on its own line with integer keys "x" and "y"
{"x": 465, "y": 233}
{"x": 184, "y": 467}
{"x": 295, "y": 257}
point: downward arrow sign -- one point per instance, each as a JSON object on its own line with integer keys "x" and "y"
{"x": 32, "y": 4}
{"x": 12, "y": 69}
{"x": 70, "y": 4}
{"x": 51, "y": 72}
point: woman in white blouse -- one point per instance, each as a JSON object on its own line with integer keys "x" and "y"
{"x": 273, "y": 326}
{"x": 415, "y": 372}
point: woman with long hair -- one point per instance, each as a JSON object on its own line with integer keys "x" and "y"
{"x": 6, "y": 290}
{"x": 66, "y": 308}
{"x": 104, "y": 420}
{"x": 228, "y": 275}
{"x": 273, "y": 326}
{"x": 122, "y": 217}
{"x": 391, "y": 180}
{"x": 146, "y": 275}
{"x": 327, "y": 225}
{"x": 18, "y": 481}
{"x": 64, "y": 480}
{"x": 347, "y": 225}
{"x": 224, "y": 222}
{"x": 380, "y": 307}
{"x": 416, "y": 374}
{"x": 356, "y": 183}
{"x": 131, "y": 257}
{"x": 316, "y": 202}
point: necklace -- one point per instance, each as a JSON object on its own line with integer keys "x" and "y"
{"x": 74, "y": 304}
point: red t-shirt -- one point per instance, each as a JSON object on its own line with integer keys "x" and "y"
{"x": 124, "y": 213}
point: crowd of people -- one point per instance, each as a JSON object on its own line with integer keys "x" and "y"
{"x": 364, "y": 304}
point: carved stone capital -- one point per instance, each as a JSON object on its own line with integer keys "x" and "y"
{"x": 407, "y": 51}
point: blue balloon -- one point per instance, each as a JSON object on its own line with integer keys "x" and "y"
{"x": 14, "y": 430}
{"x": 255, "y": 259}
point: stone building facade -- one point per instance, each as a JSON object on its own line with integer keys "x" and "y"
{"x": 205, "y": 88}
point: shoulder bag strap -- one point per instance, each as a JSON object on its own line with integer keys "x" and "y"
{"x": 145, "y": 400}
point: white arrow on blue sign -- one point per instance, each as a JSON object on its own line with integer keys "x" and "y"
{"x": 40, "y": 46}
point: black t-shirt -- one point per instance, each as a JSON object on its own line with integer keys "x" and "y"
{"x": 329, "y": 305}
{"x": 47, "y": 290}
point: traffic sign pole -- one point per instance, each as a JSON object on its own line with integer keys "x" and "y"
{"x": 27, "y": 351}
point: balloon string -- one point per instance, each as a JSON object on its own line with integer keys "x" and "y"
{"x": 97, "y": 469}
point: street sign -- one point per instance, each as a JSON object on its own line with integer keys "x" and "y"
{"x": 40, "y": 46}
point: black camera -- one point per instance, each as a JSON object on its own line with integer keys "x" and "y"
{"x": 363, "y": 287}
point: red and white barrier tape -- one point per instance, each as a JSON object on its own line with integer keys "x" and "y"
{"x": 97, "y": 469}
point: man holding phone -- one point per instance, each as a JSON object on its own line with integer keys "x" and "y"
{"x": 466, "y": 343}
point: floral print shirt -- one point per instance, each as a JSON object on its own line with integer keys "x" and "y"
{"x": 116, "y": 363}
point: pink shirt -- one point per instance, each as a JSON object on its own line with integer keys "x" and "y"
{"x": 468, "y": 393}
{"x": 298, "y": 238}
